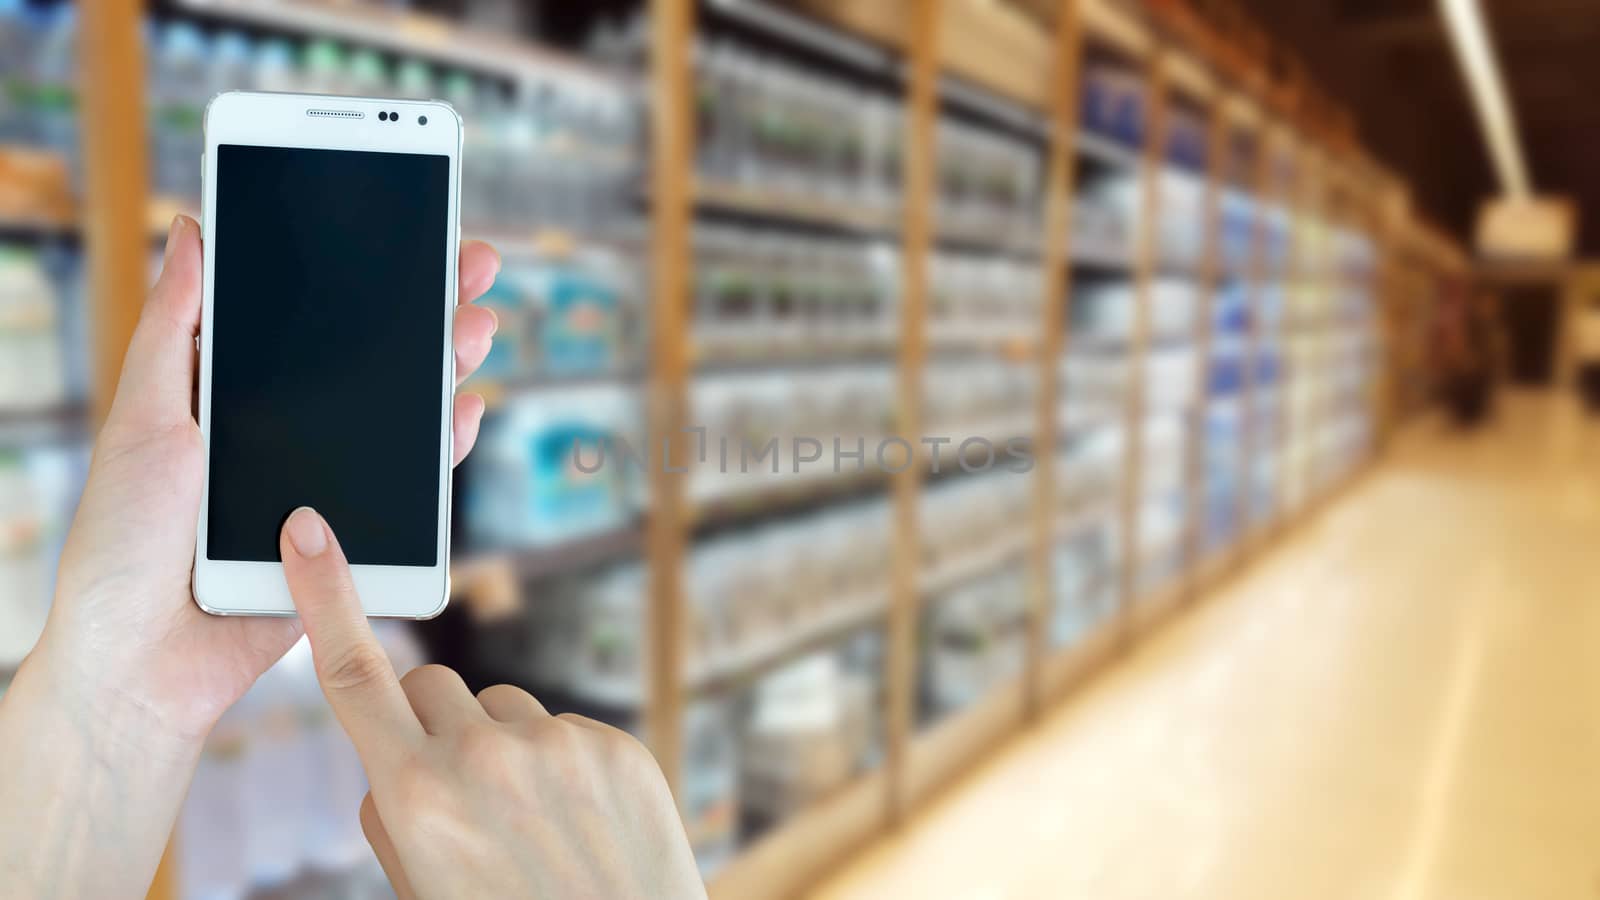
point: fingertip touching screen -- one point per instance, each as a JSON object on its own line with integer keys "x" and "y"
{"x": 328, "y": 329}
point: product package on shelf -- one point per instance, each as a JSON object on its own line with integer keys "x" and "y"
{"x": 776, "y": 129}
{"x": 276, "y": 795}
{"x": 1106, "y": 216}
{"x": 1266, "y": 456}
{"x": 1228, "y": 374}
{"x": 988, "y": 183}
{"x": 757, "y": 593}
{"x": 1113, "y": 102}
{"x": 1094, "y": 387}
{"x": 980, "y": 410}
{"x": 1101, "y": 312}
{"x": 1174, "y": 310}
{"x": 1085, "y": 564}
{"x": 39, "y": 488}
{"x": 1170, "y": 385}
{"x": 1236, "y": 236}
{"x": 785, "y": 432}
{"x": 1163, "y": 511}
{"x": 764, "y": 293}
{"x": 975, "y": 299}
{"x": 764, "y": 754}
{"x": 1224, "y": 434}
{"x": 38, "y": 109}
{"x": 43, "y": 336}
{"x": 1181, "y": 224}
{"x": 973, "y": 638}
{"x": 563, "y": 315}
{"x": 808, "y": 728}
{"x": 708, "y": 793}
{"x": 1089, "y": 472}
{"x": 578, "y": 643}
{"x": 971, "y": 523}
{"x": 1277, "y": 240}
{"x": 553, "y": 466}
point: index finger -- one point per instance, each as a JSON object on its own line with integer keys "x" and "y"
{"x": 352, "y": 668}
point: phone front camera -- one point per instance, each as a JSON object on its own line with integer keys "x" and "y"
{"x": 422, "y": 120}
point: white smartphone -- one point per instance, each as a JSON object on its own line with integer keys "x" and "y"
{"x": 326, "y": 365}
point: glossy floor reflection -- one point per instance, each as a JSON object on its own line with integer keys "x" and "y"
{"x": 1399, "y": 700}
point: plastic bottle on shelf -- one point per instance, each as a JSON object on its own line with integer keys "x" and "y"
{"x": 32, "y": 371}
{"x": 232, "y": 64}
{"x": 414, "y": 80}
{"x": 477, "y": 188}
{"x": 53, "y": 106}
{"x": 273, "y": 68}
{"x": 178, "y": 94}
{"x": 16, "y": 47}
{"x": 709, "y": 797}
{"x": 368, "y": 76}
{"x": 324, "y": 70}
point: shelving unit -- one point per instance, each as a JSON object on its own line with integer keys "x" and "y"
{"x": 1171, "y": 240}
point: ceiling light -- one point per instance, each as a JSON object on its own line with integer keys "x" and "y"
{"x": 1469, "y": 37}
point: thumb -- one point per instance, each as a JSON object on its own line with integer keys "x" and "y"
{"x": 157, "y": 380}
{"x": 354, "y": 672}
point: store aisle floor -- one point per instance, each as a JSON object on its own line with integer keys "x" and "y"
{"x": 1400, "y": 700}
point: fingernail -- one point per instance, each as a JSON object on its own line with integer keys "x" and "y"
{"x": 307, "y": 532}
{"x": 172, "y": 239}
{"x": 499, "y": 261}
{"x": 494, "y": 319}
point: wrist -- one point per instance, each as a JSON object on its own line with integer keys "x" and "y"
{"x": 99, "y": 781}
{"x": 108, "y": 711}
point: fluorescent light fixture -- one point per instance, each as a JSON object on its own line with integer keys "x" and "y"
{"x": 1464, "y": 19}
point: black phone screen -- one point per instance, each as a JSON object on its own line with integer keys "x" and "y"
{"x": 328, "y": 330}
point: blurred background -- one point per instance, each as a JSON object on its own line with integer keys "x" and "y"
{"x": 1274, "y": 294}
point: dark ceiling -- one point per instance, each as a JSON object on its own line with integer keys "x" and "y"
{"x": 1390, "y": 63}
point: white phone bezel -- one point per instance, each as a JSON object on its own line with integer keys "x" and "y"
{"x": 234, "y": 587}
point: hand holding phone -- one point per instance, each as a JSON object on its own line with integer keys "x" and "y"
{"x": 130, "y": 675}
{"x": 486, "y": 796}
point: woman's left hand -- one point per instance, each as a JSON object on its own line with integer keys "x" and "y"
{"x": 103, "y": 725}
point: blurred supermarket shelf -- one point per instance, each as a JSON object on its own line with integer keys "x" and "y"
{"x": 872, "y": 59}
{"x": 814, "y": 36}
{"x": 730, "y": 670}
{"x": 400, "y": 31}
{"x": 766, "y": 358}
{"x": 1004, "y": 549}
{"x": 785, "y": 207}
{"x": 1106, "y": 150}
{"x": 1024, "y": 243}
{"x": 1094, "y": 512}
{"x": 57, "y": 424}
{"x": 999, "y": 340}
{"x": 745, "y": 665}
{"x": 1092, "y": 254}
{"x": 1189, "y": 269}
{"x": 531, "y": 563}
{"x": 499, "y": 390}
{"x": 32, "y": 227}
{"x": 793, "y": 494}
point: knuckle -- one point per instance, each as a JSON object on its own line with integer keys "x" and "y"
{"x": 355, "y": 668}
{"x": 487, "y": 749}
{"x": 423, "y": 676}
